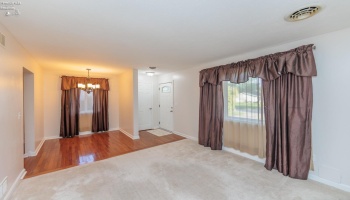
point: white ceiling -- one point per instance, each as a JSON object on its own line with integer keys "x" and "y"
{"x": 111, "y": 35}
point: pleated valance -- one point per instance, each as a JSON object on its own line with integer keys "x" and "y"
{"x": 299, "y": 61}
{"x": 69, "y": 82}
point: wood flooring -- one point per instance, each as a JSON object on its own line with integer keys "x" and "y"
{"x": 57, "y": 154}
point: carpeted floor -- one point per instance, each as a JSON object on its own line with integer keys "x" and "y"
{"x": 159, "y": 132}
{"x": 179, "y": 170}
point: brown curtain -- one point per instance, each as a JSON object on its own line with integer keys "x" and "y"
{"x": 100, "y": 120}
{"x": 69, "y": 82}
{"x": 70, "y": 105}
{"x": 211, "y": 116}
{"x": 288, "y": 109}
{"x": 298, "y": 62}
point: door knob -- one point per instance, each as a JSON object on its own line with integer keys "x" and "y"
{"x": 150, "y": 108}
{"x": 171, "y": 111}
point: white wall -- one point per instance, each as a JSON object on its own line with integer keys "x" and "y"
{"x": 52, "y": 101}
{"x": 186, "y": 101}
{"x": 13, "y": 58}
{"x": 128, "y": 103}
{"x": 113, "y": 103}
{"x": 330, "y": 128}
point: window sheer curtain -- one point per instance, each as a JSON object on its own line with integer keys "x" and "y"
{"x": 85, "y": 114}
{"x": 288, "y": 124}
{"x": 244, "y": 125}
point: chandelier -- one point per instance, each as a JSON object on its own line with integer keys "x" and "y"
{"x": 88, "y": 86}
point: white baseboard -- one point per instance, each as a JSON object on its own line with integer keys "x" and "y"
{"x": 80, "y": 133}
{"x": 52, "y": 137}
{"x": 314, "y": 177}
{"x": 15, "y": 184}
{"x": 246, "y": 155}
{"x": 186, "y": 136}
{"x": 34, "y": 153}
{"x": 85, "y": 133}
{"x": 312, "y": 174}
{"x": 134, "y": 137}
{"x": 39, "y": 146}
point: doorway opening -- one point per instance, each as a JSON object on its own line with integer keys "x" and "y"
{"x": 28, "y": 113}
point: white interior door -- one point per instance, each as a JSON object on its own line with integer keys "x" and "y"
{"x": 145, "y": 92}
{"x": 166, "y": 106}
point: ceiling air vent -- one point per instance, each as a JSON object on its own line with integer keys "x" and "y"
{"x": 303, "y": 13}
{"x": 2, "y": 39}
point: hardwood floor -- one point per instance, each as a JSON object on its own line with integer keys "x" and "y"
{"x": 57, "y": 154}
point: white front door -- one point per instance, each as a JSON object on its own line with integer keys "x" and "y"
{"x": 166, "y": 106}
{"x": 145, "y": 92}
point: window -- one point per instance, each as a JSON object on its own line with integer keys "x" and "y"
{"x": 86, "y": 102}
{"x": 244, "y": 101}
{"x": 166, "y": 89}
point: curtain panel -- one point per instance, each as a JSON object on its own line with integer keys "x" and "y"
{"x": 100, "y": 120}
{"x": 297, "y": 62}
{"x": 70, "y": 105}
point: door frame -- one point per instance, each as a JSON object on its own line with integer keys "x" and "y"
{"x": 28, "y": 113}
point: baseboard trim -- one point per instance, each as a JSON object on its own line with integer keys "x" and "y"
{"x": 314, "y": 177}
{"x": 246, "y": 155}
{"x": 39, "y": 146}
{"x": 114, "y": 129}
{"x": 185, "y": 135}
{"x": 52, "y": 137}
{"x": 85, "y": 133}
{"x": 15, "y": 184}
{"x": 34, "y": 153}
{"x": 134, "y": 137}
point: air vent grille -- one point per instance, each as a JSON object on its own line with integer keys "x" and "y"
{"x": 2, "y": 39}
{"x": 304, "y": 13}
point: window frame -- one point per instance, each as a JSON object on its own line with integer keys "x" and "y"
{"x": 239, "y": 119}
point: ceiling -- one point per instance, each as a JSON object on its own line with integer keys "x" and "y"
{"x": 109, "y": 36}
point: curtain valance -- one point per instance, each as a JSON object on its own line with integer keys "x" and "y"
{"x": 69, "y": 82}
{"x": 299, "y": 61}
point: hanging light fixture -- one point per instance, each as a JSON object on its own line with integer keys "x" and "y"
{"x": 88, "y": 86}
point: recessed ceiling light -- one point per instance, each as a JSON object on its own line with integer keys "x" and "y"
{"x": 303, "y": 13}
{"x": 150, "y": 73}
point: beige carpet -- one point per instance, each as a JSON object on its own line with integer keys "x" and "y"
{"x": 179, "y": 170}
{"x": 159, "y": 132}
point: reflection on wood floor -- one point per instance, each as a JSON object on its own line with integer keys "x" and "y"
{"x": 57, "y": 154}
